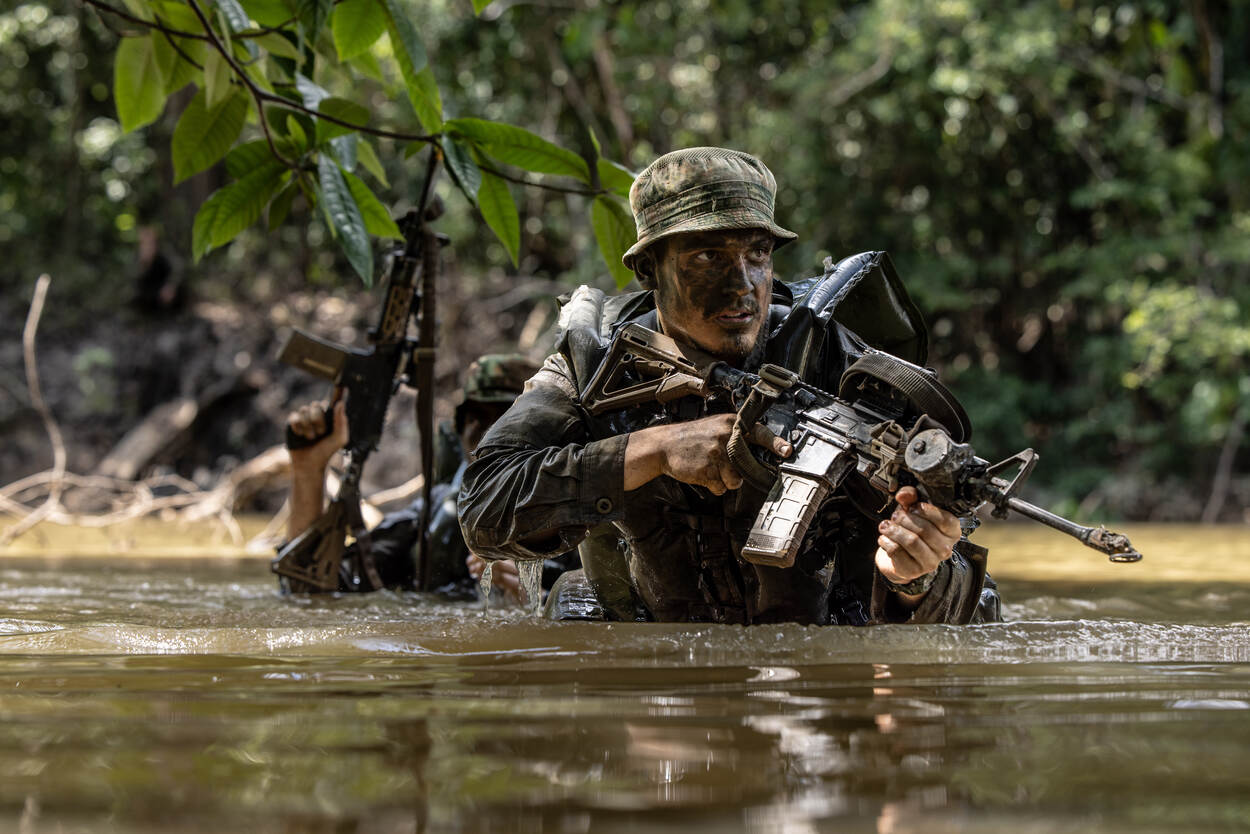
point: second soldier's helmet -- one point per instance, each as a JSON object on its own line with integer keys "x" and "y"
{"x": 497, "y": 377}
{"x": 494, "y": 378}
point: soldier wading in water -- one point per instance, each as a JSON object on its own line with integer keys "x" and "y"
{"x": 491, "y": 384}
{"x": 650, "y": 494}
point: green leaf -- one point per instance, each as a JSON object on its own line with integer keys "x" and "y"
{"x": 345, "y": 219}
{"x": 418, "y": 79}
{"x": 462, "y": 168}
{"x": 269, "y": 12}
{"x": 217, "y": 75}
{"x": 201, "y": 230}
{"x": 409, "y": 50}
{"x": 234, "y": 14}
{"x": 245, "y": 158}
{"x": 377, "y": 219}
{"x": 312, "y": 16}
{"x": 138, "y": 8}
{"x": 236, "y": 21}
{"x": 275, "y": 43}
{"x": 181, "y": 66}
{"x": 296, "y": 132}
{"x": 138, "y": 87}
{"x": 616, "y": 178}
{"x": 495, "y": 202}
{"x": 368, "y": 157}
{"x": 479, "y": 5}
{"x": 344, "y": 150}
{"x": 426, "y": 100}
{"x": 517, "y": 146}
{"x": 339, "y": 108}
{"x": 367, "y": 64}
{"x": 243, "y": 201}
{"x": 202, "y": 136}
{"x": 310, "y": 91}
{"x": 165, "y": 56}
{"x": 177, "y": 15}
{"x": 614, "y": 230}
{"x": 280, "y": 207}
{"x": 356, "y": 25}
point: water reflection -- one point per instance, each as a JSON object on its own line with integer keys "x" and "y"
{"x": 192, "y": 697}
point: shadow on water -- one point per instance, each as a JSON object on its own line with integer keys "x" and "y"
{"x": 190, "y": 696}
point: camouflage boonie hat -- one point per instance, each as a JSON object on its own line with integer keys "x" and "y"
{"x": 497, "y": 378}
{"x": 700, "y": 190}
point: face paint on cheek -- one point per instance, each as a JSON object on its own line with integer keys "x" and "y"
{"x": 714, "y": 292}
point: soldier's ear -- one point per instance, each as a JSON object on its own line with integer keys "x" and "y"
{"x": 644, "y": 268}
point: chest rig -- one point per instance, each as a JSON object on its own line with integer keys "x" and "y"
{"x": 862, "y": 293}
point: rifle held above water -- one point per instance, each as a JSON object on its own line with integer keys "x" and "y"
{"x": 891, "y": 424}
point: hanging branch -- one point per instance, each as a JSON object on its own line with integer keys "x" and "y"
{"x": 53, "y": 501}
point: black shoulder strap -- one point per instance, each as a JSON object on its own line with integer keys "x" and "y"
{"x": 864, "y": 294}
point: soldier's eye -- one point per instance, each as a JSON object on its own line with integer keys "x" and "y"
{"x": 705, "y": 257}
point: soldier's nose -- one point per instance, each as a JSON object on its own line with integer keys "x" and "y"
{"x": 740, "y": 280}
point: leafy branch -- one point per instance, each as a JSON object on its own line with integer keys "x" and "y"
{"x": 242, "y": 55}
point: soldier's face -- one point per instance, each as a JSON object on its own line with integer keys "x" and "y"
{"x": 712, "y": 289}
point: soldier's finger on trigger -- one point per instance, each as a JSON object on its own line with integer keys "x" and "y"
{"x": 761, "y": 435}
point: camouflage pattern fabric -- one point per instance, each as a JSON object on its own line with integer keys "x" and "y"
{"x": 700, "y": 190}
{"x": 497, "y": 378}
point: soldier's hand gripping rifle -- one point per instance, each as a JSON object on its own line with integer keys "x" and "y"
{"x": 891, "y": 423}
{"x": 312, "y": 560}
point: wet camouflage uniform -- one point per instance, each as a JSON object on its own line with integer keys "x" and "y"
{"x": 548, "y": 476}
{"x": 494, "y": 378}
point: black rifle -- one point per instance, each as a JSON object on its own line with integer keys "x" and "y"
{"x": 891, "y": 425}
{"x": 313, "y": 560}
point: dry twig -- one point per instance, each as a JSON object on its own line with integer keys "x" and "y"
{"x": 53, "y": 501}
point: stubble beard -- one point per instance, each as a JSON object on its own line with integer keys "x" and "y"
{"x": 746, "y": 350}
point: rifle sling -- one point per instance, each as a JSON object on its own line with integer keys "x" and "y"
{"x": 366, "y": 566}
{"x": 425, "y": 396}
{"x": 926, "y": 393}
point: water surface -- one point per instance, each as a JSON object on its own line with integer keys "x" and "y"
{"x": 186, "y": 695}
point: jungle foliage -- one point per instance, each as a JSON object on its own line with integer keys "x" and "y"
{"x": 1065, "y": 187}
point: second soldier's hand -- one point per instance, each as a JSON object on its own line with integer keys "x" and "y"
{"x": 309, "y": 421}
{"x": 692, "y": 453}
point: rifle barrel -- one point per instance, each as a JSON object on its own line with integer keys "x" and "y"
{"x": 1115, "y": 545}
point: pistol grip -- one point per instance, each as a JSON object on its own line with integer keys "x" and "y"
{"x": 782, "y": 522}
{"x": 295, "y": 441}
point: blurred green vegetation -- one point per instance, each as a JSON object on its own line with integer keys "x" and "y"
{"x": 1065, "y": 188}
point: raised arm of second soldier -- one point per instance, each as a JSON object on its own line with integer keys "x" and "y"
{"x": 308, "y": 465}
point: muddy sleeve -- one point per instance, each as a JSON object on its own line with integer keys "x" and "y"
{"x": 952, "y": 599}
{"x": 539, "y": 481}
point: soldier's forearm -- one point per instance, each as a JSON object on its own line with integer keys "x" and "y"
{"x": 307, "y": 496}
{"x": 644, "y": 456}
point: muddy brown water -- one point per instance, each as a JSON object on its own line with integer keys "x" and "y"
{"x": 154, "y": 694}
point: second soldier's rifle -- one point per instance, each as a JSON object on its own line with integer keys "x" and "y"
{"x": 313, "y": 560}
{"x": 891, "y": 425}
